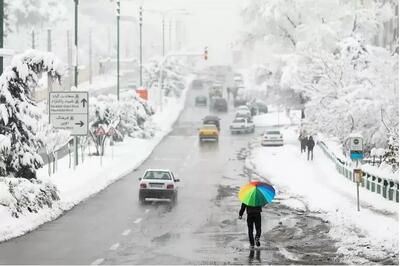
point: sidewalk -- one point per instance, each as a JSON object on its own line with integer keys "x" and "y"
{"x": 372, "y": 231}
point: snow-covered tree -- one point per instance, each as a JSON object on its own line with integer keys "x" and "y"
{"x": 18, "y": 113}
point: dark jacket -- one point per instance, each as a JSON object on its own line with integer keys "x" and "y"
{"x": 249, "y": 209}
{"x": 310, "y": 143}
{"x": 303, "y": 142}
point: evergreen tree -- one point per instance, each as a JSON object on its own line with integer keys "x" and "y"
{"x": 18, "y": 113}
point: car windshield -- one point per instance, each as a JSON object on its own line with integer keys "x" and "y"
{"x": 273, "y": 133}
{"x": 239, "y": 120}
{"x": 209, "y": 127}
{"x": 157, "y": 175}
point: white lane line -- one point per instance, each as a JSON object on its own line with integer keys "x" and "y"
{"x": 147, "y": 210}
{"x": 126, "y": 232}
{"x": 115, "y": 246}
{"x": 97, "y": 262}
{"x": 138, "y": 220}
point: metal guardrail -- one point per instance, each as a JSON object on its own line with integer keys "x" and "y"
{"x": 389, "y": 189}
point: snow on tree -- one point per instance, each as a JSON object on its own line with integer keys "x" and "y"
{"x": 28, "y": 13}
{"x": 19, "y": 114}
{"x": 173, "y": 76}
{"x": 128, "y": 117}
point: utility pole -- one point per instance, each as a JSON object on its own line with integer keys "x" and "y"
{"x": 76, "y": 75}
{"x": 1, "y": 33}
{"x": 49, "y": 78}
{"x": 33, "y": 39}
{"x": 118, "y": 20}
{"x": 69, "y": 58}
{"x": 90, "y": 57}
{"x": 141, "y": 44}
{"x": 163, "y": 36}
{"x": 170, "y": 35}
{"x": 49, "y": 40}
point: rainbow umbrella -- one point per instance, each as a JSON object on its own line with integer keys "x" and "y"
{"x": 256, "y": 194}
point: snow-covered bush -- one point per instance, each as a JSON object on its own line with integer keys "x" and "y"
{"x": 173, "y": 75}
{"x": 19, "y": 114}
{"x": 20, "y": 195}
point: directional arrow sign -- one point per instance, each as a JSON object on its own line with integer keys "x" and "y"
{"x": 69, "y": 111}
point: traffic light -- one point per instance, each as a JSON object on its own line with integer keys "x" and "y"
{"x": 118, "y": 8}
{"x": 205, "y": 53}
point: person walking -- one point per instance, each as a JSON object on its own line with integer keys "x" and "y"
{"x": 253, "y": 220}
{"x": 303, "y": 143}
{"x": 310, "y": 148}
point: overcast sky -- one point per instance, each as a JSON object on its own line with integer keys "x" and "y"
{"x": 212, "y": 23}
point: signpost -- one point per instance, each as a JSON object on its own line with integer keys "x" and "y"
{"x": 357, "y": 154}
{"x": 70, "y": 111}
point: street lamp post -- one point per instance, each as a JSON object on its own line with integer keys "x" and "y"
{"x": 1, "y": 32}
{"x": 76, "y": 75}
{"x": 141, "y": 44}
{"x": 163, "y": 36}
{"x": 118, "y": 20}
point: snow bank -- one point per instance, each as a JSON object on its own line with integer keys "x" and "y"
{"x": 90, "y": 177}
{"x": 372, "y": 231}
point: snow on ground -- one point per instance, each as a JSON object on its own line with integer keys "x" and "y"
{"x": 91, "y": 177}
{"x": 272, "y": 119}
{"x": 99, "y": 82}
{"x": 373, "y": 231}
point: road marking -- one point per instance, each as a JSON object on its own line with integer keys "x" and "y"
{"x": 126, "y": 232}
{"x": 115, "y": 246}
{"x": 97, "y": 262}
{"x": 147, "y": 210}
{"x": 138, "y": 220}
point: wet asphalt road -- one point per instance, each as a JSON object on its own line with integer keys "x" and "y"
{"x": 112, "y": 228}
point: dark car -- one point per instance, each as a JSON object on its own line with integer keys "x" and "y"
{"x": 197, "y": 84}
{"x": 200, "y": 100}
{"x": 262, "y": 108}
{"x": 219, "y": 104}
{"x": 213, "y": 120}
{"x": 239, "y": 101}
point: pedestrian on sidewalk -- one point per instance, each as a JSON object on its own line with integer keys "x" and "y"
{"x": 253, "y": 220}
{"x": 303, "y": 142}
{"x": 310, "y": 148}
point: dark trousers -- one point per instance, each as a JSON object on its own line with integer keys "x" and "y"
{"x": 310, "y": 154}
{"x": 254, "y": 220}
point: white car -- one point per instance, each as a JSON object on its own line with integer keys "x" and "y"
{"x": 158, "y": 184}
{"x": 272, "y": 138}
{"x": 242, "y": 125}
{"x": 243, "y": 111}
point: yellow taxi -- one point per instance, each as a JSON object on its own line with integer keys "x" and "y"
{"x": 208, "y": 132}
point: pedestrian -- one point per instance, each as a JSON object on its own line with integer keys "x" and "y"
{"x": 303, "y": 142}
{"x": 310, "y": 148}
{"x": 253, "y": 220}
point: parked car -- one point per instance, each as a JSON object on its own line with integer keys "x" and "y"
{"x": 262, "y": 107}
{"x": 239, "y": 100}
{"x": 158, "y": 184}
{"x": 212, "y": 120}
{"x": 219, "y": 104}
{"x": 242, "y": 125}
{"x": 208, "y": 132}
{"x": 200, "y": 100}
{"x": 272, "y": 138}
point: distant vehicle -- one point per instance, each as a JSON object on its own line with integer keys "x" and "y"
{"x": 243, "y": 111}
{"x": 219, "y": 104}
{"x": 238, "y": 81}
{"x": 237, "y": 75}
{"x": 272, "y": 138}
{"x": 215, "y": 91}
{"x": 242, "y": 125}
{"x": 200, "y": 100}
{"x": 197, "y": 84}
{"x": 158, "y": 184}
{"x": 212, "y": 120}
{"x": 262, "y": 107}
{"x": 208, "y": 132}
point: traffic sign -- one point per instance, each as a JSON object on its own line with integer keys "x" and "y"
{"x": 70, "y": 111}
{"x": 100, "y": 131}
